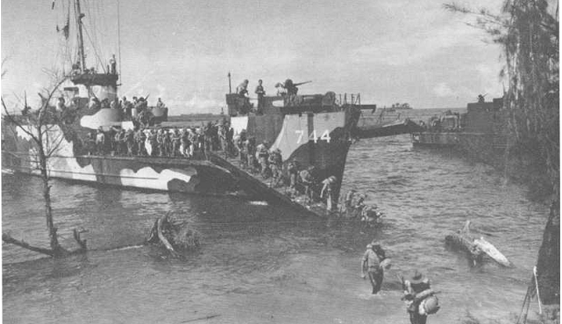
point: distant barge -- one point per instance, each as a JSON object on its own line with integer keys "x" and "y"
{"x": 481, "y": 128}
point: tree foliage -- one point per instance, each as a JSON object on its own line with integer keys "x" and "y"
{"x": 528, "y": 31}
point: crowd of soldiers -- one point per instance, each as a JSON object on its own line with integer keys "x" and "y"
{"x": 135, "y": 110}
{"x": 218, "y": 136}
{"x": 159, "y": 141}
{"x": 288, "y": 90}
{"x": 353, "y": 207}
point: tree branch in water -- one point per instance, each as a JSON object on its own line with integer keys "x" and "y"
{"x": 10, "y": 240}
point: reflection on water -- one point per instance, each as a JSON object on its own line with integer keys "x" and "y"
{"x": 266, "y": 264}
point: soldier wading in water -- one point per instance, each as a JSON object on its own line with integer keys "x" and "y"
{"x": 372, "y": 262}
{"x": 420, "y": 298}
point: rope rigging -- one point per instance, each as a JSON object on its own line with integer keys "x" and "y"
{"x": 119, "y": 37}
{"x": 70, "y": 48}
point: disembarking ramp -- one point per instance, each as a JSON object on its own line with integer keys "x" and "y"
{"x": 258, "y": 187}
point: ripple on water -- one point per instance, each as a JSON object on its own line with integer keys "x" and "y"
{"x": 264, "y": 263}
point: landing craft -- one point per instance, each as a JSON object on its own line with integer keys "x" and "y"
{"x": 92, "y": 140}
{"x": 310, "y": 130}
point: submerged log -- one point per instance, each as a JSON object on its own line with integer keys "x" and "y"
{"x": 175, "y": 236}
{"x": 475, "y": 247}
{"x": 163, "y": 239}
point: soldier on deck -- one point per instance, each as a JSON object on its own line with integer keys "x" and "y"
{"x": 130, "y": 142}
{"x": 90, "y": 144}
{"x": 95, "y": 104}
{"x": 251, "y": 148}
{"x": 160, "y": 142}
{"x": 115, "y": 104}
{"x": 60, "y": 105}
{"x": 105, "y": 103}
{"x": 308, "y": 180}
{"x": 281, "y": 91}
{"x": 275, "y": 164}
{"x": 262, "y": 155}
{"x": 239, "y": 141}
{"x": 167, "y": 143}
{"x": 176, "y": 142}
{"x": 110, "y": 143}
{"x": 261, "y": 101}
{"x": 185, "y": 143}
{"x": 221, "y": 131}
{"x": 151, "y": 143}
{"x": 292, "y": 168}
{"x": 242, "y": 89}
{"x": 100, "y": 141}
{"x": 229, "y": 140}
{"x": 125, "y": 105}
{"x": 119, "y": 142}
{"x": 140, "y": 138}
{"x": 160, "y": 104}
{"x": 201, "y": 139}
{"x": 327, "y": 189}
{"x": 290, "y": 87}
{"x": 113, "y": 65}
{"x": 208, "y": 132}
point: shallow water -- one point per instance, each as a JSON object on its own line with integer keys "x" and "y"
{"x": 265, "y": 264}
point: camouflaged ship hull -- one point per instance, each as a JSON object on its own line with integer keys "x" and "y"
{"x": 319, "y": 139}
{"x": 155, "y": 173}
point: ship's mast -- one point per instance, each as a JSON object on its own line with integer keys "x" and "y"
{"x": 99, "y": 85}
{"x": 79, "y": 16}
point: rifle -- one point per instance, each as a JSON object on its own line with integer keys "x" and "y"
{"x": 406, "y": 296}
{"x": 401, "y": 278}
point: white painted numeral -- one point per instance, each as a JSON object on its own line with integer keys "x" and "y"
{"x": 313, "y": 136}
{"x": 301, "y": 133}
{"x": 326, "y": 136}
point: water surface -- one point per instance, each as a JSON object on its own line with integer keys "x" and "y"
{"x": 266, "y": 264}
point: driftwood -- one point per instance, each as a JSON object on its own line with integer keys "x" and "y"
{"x": 80, "y": 241}
{"x": 475, "y": 247}
{"x": 61, "y": 252}
{"x": 21, "y": 243}
{"x": 163, "y": 239}
{"x": 173, "y": 235}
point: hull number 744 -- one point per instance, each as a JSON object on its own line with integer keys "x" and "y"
{"x": 313, "y": 136}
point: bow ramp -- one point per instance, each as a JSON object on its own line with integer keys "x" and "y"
{"x": 262, "y": 188}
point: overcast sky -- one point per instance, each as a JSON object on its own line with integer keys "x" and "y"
{"x": 181, "y": 50}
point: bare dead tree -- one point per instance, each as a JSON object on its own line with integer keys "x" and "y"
{"x": 40, "y": 126}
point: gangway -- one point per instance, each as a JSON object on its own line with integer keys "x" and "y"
{"x": 260, "y": 188}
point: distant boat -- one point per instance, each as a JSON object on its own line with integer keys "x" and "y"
{"x": 399, "y": 106}
{"x": 388, "y": 123}
{"x": 480, "y": 129}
